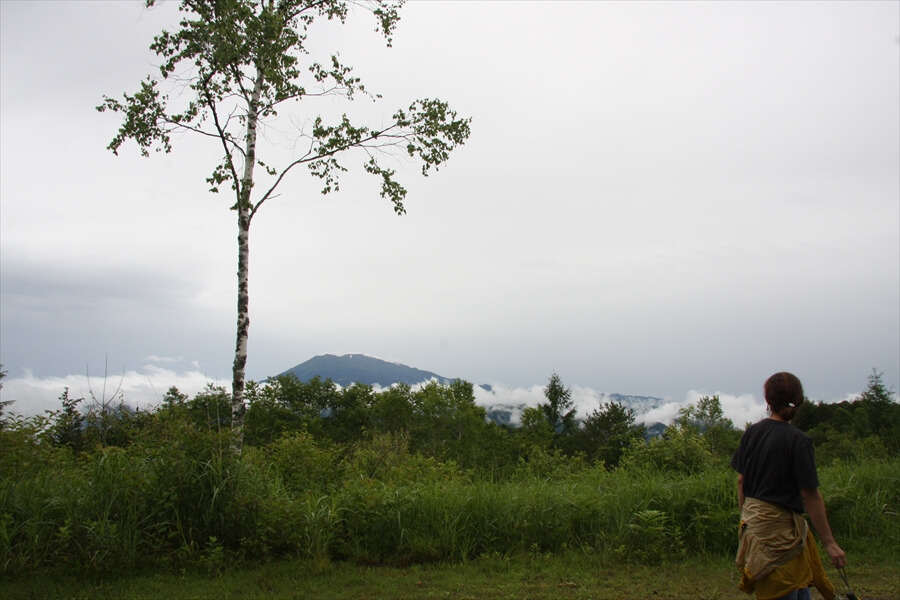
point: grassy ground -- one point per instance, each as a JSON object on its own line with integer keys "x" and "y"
{"x": 528, "y": 577}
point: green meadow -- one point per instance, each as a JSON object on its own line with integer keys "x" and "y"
{"x": 404, "y": 494}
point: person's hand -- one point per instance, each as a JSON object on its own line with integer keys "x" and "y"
{"x": 837, "y": 555}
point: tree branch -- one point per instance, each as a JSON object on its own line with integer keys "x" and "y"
{"x": 329, "y": 154}
{"x": 224, "y": 135}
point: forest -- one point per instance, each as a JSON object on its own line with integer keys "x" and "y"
{"x": 404, "y": 476}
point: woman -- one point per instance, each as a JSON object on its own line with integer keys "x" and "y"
{"x": 777, "y": 482}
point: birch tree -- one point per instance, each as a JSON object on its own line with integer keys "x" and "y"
{"x": 228, "y": 69}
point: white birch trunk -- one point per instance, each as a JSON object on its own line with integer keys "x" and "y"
{"x": 243, "y": 273}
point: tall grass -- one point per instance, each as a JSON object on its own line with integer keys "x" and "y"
{"x": 863, "y": 503}
{"x": 643, "y": 517}
{"x": 180, "y": 497}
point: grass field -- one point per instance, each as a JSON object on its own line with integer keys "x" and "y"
{"x": 173, "y": 513}
{"x": 537, "y": 577}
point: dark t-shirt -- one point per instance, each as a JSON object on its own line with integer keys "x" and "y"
{"x": 776, "y": 460}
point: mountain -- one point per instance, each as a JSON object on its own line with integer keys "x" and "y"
{"x": 505, "y": 414}
{"x": 358, "y": 368}
{"x": 639, "y": 404}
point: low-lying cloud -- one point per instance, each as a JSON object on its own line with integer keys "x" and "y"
{"x": 145, "y": 387}
{"x": 741, "y": 409}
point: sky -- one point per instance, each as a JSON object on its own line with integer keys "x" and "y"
{"x": 667, "y": 199}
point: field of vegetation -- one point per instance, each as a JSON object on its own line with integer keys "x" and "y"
{"x": 350, "y": 482}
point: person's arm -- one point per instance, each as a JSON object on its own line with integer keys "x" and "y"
{"x": 740, "y": 492}
{"x": 815, "y": 508}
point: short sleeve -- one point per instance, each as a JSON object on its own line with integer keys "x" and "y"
{"x": 805, "y": 463}
{"x": 737, "y": 459}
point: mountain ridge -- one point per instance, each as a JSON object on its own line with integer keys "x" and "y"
{"x": 347, "y": 369}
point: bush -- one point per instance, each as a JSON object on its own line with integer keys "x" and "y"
{"x": 300, "y": 463}
{"x": 680, "y": 451}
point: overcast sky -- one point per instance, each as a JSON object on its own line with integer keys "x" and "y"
{"x": 661, "y": 199}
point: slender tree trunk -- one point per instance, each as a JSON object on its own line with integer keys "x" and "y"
{"x": 244, "y": 212}
{"x": 243, "y": 330}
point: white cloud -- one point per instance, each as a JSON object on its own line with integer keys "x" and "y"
{"x": 164, "y": 359}
{"x": 32, "y": 395}
{"x": 663, "y": 414}
{"x": 741, "y": 409}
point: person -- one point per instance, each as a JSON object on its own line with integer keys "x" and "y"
{"x": 777, "y": 482}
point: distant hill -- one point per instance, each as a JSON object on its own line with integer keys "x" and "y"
{"x": 358, "y": 368}
{"x": 505, "y": 414}
{"x": 639, "y": 404}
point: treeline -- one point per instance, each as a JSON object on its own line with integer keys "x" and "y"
{"x": 443, "y": 422}
{"x": 394, "y": 476}
{"x": 867, "y": 426}
{"x": 440, "y": 422}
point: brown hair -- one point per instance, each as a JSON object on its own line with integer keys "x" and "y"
{"x": 784, "y": 394}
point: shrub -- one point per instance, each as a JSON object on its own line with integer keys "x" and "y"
{"x": 681, "y": 451}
